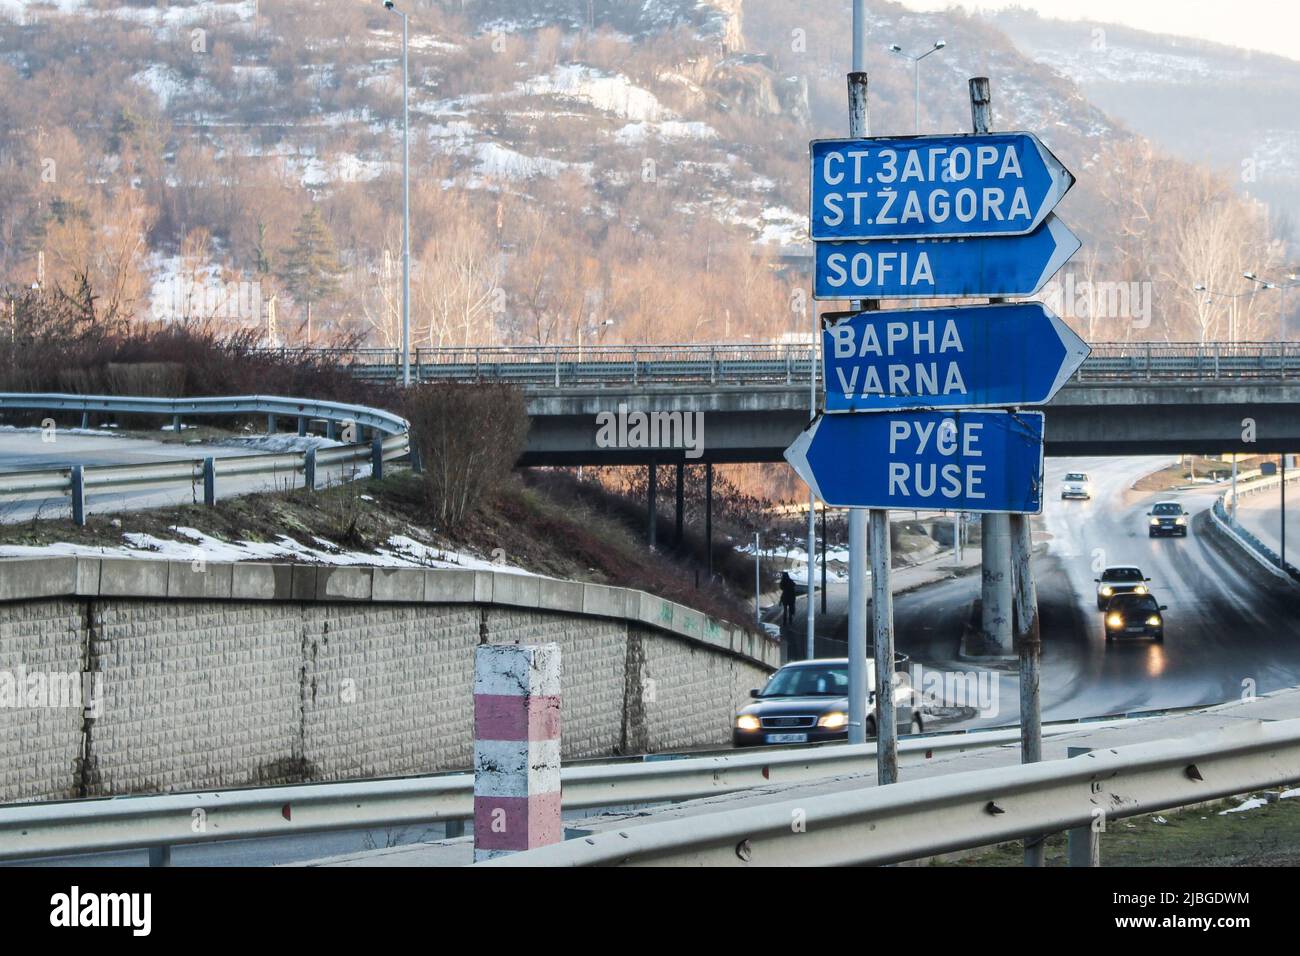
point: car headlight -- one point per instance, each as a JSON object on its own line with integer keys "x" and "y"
{"x": 747, "y": 722}
{"x": 1155, "y": 522}
{"x": 1140, "y": 589}
{"x": 1180, "y": 521}
{"x": 1153, "y": 620}
{"x": 834, "y": 720}
{"x": 1115, "y": 620}
{"x": 1107, "y": 590}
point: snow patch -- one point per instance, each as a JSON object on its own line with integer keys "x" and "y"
{"x": 1254, "y": 803}
{"x": 168, "y": 85}
{"x": 634, "y": 133}
{"x": 343, "y": 168}
{"x": 501, "y": 162}
{"x": 399, "y": 551}
{"x": 286, "y": 442}
{"x": 613, "y": 94}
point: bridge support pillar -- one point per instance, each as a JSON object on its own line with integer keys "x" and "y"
{"x": 995, "y": 588}
{"x": 679, "y": 529}
{"x": 651, "y": 492}
{"x": 302, "y": 426}
{"x": 516, "y": 748}
{"x": 270, "y": 424}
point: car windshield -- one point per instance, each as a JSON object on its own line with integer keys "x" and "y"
{"x": 1122, "y": 574}
{"x": 814, "y": 681}
{"x": 1076, "y": 476}
{"x": 1134, "y": 603}
{"x": 1168, "y": 509}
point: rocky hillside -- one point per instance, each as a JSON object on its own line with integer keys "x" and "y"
{"x": 594, "y": 170}
{"x": 1232, "y": 109}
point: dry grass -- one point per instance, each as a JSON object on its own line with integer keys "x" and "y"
{"x": 520, "y": 525}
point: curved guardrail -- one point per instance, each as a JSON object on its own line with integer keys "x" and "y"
{"x": 274, "y": 405}
{"x": 1227, "y": 519}
{"x": 389, "y": 439}
{"x": 781, "y": 363}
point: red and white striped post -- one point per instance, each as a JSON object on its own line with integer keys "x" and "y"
{"x": 516, "y": 748}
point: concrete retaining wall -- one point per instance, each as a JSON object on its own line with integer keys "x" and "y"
{"x": 204, "y": 677}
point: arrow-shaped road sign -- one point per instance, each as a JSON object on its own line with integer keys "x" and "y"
{"x": 956, "y": 357}
{"x": 909, "y": 187}
{"x": 980, "y": 461}
{"x": 942, "y": 268}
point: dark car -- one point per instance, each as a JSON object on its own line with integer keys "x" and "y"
{"x": 807, "y": 702}
{"x": 1120, "y": 579}
{"x": 1134, "y": 615}
{"x": 1168, "y": 518}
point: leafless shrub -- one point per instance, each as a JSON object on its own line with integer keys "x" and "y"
{"x": 468, "y": 438}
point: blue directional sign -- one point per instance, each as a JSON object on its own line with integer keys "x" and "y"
{"x": 943, "y": 268}
{"x": 979, "y": 461}
{"x": 912, "y": 187}
{"x": 969, "y": 357}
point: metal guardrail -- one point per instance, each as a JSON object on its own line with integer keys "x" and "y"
{"x": 922, "y": 818}
{"x": 272, "y": 405}
{"x": 778, "y": 363}
{"x": 390, "y": 439}
{"x": 31, "y": 831}
{"x": 1225, "y": 515}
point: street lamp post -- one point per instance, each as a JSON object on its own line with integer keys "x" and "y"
{"x": 1232, "y": 298}
{"x": 1294, "y": 280}
{"x": 406, "y": 199}
{"x": 916, "y": 77}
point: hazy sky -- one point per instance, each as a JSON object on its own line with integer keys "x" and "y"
{"x": 1269, "y": 25}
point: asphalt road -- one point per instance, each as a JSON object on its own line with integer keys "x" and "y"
{"x": 1231, "y": 628}
{"x": 1261, "y": 514}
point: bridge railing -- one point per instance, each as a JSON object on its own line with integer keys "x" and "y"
{"x": 781, "y": 363}
{"x": 1153, "y": 361}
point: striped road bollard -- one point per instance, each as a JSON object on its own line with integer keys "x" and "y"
{"x": 516, "y": 748}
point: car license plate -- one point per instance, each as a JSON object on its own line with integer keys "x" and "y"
{"x": 1135, "y": 629}
{"x": 787, "y": 738}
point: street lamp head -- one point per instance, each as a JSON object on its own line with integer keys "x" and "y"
{"x": 388, "y": 4}
{"x": 1249, "y": 275}
{"x": 895, "y": 48}
{"x": 1199, "y": 287}
{"x": 940, "y": 44}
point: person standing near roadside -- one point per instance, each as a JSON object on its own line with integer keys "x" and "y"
{"x": 787, "y": 598}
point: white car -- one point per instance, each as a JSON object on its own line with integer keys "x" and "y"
{"x": 1076, "y": 484}
{"x": 1120, "y": 579}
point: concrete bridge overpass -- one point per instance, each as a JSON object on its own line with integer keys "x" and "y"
{"x": 756, "y": 423}
{"x": 1127, "y": 399}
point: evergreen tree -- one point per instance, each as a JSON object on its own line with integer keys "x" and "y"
{"x": 261, "y": 253}
{"x": 310, "y": 268}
